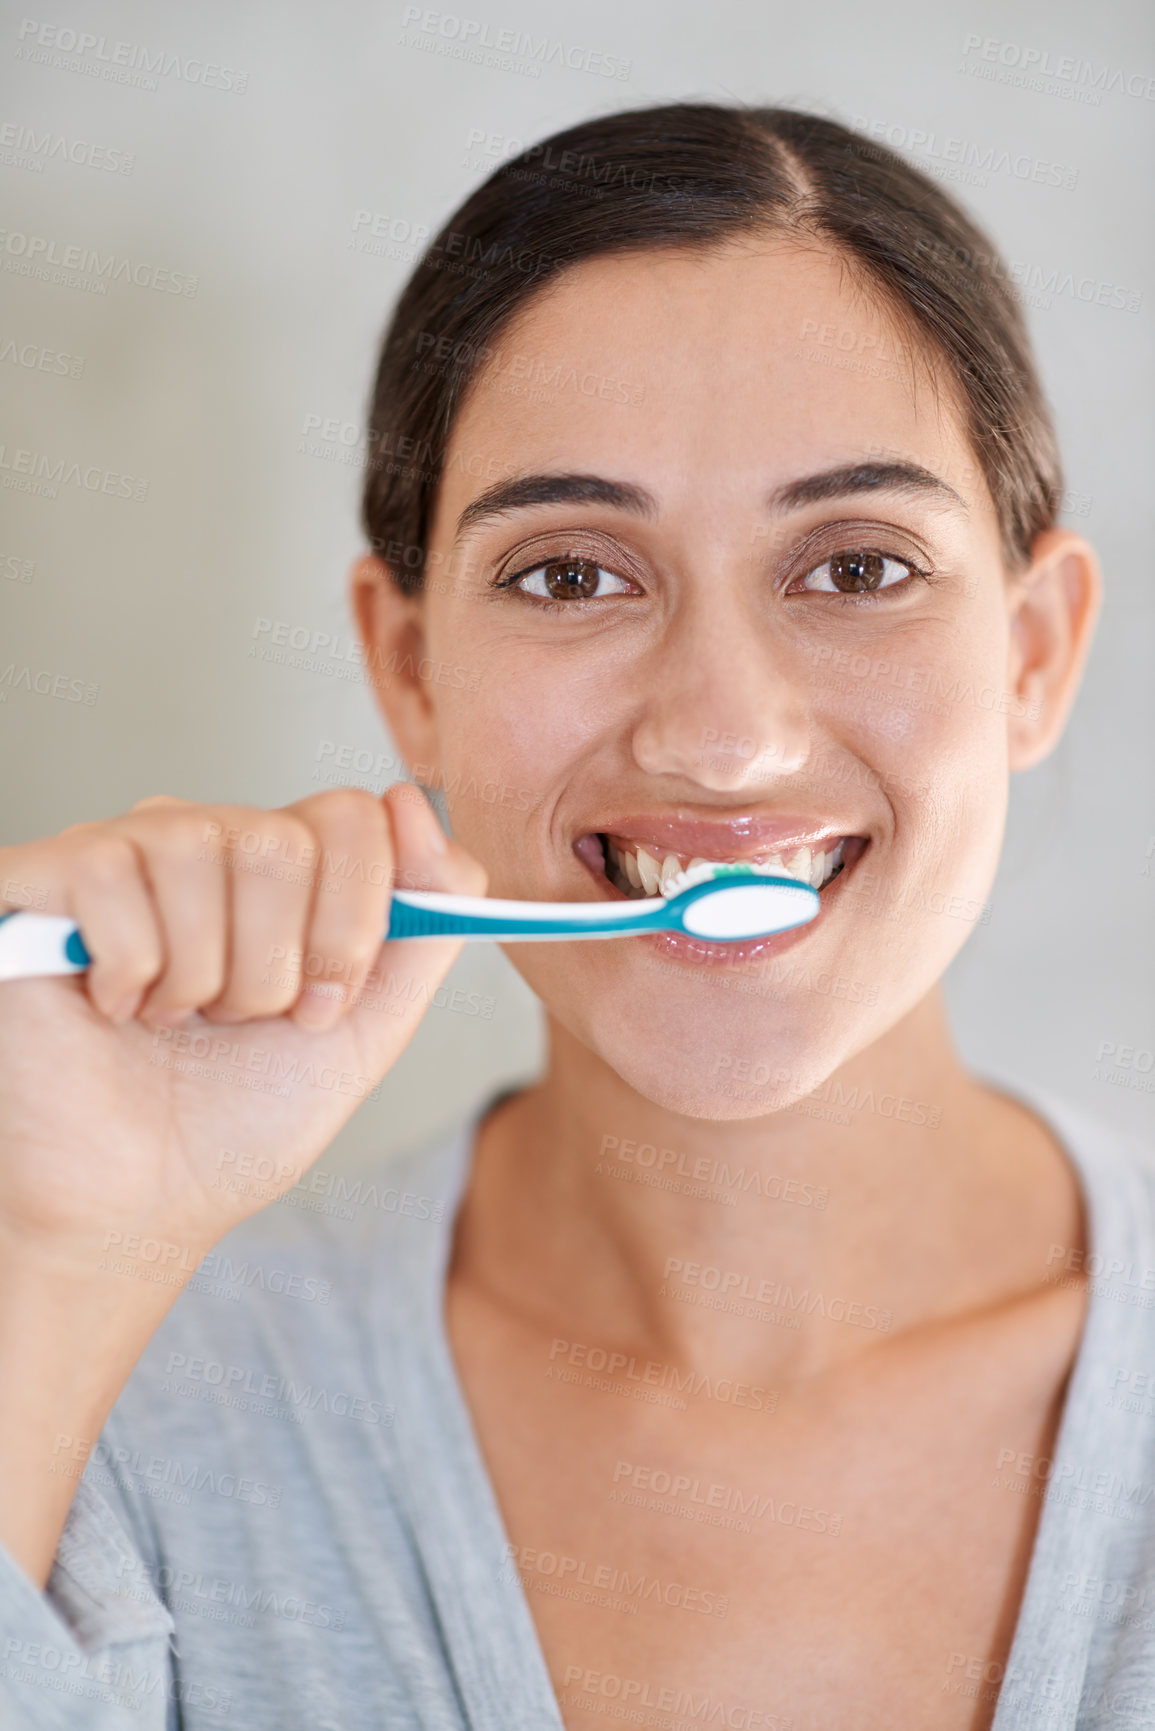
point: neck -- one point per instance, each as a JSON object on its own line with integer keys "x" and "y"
{"x": 902, "y": 1191}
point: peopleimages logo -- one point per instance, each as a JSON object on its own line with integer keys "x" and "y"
{"x": 34, "y": 254}
{"x": 22, "y": 147}
{"x": 37, "y": 357}
{"x": 119, "y": 62}
{"x": 962, "y": 159}
{"x": 37, "y": 472}
{"x": 1032, "y": 63}
{"x": 474, "y": 39}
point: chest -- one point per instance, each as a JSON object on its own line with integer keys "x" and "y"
{"x": 704, "y": 1550}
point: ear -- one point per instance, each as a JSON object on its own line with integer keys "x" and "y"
{"x": 1054, "y": 606}
{"x": 391, "y": 625}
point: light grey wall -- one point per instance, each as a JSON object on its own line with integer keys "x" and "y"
{"x": 252, "y": 190}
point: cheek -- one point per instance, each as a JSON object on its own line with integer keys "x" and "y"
{"x": 919, "y": 737}
{"x": 918, "y": 744}
{"x": 529, "y": 721}
{"x": 507, "y": 753}
{"x": 923, "y": 716}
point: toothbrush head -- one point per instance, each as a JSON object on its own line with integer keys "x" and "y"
{"x": 735, "y": 903}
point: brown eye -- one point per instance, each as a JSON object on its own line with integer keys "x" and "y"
{"x": 570, "y": 577}
{"x": 569, "y": 580}
{"x": 852, "y": 572}
{"x": 857, "y": 573}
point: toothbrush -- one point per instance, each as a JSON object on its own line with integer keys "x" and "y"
{"x": 732, "y": 904}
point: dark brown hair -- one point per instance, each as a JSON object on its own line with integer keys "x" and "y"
{"x": 692, "y": 175}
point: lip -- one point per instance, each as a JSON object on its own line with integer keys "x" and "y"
{"x": 732, "y": 839}
{"x": 722, "y": 838}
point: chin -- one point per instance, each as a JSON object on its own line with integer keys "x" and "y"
{"x": 680, "y": 1082}
{"x": 717, "y": 1046}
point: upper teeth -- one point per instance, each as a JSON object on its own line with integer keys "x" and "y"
{"x": 640, "y": 869}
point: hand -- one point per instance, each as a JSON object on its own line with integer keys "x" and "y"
{"x": 239, "y": 1006}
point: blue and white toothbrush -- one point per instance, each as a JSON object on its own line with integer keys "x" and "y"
{"x": 732, "y": 904}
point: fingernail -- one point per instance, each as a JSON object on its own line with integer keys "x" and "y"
{"x": 319, "y": 1006}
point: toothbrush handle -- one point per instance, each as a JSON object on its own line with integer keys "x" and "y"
{"x": 427, "y": 914}
{"x": 35, "y": 945}
{"x": 32, "y": 945}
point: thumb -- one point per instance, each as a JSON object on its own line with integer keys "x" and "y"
{"x": 424, "y": 858}
{"x": 407, "y": 972}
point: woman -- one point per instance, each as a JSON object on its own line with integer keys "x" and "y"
{"x": 718, "y": 1377}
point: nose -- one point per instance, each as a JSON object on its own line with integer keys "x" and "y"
{"x": 722, "y": 704}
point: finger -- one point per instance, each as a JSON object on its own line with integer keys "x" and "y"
{"x": 406, "y": 973}
{"x": 186, "y": 875}
{"x": 37, "y": 875}
{"x": 348, "y": 914}
{"x": 31, "y": 877}
{"x": 109, "y": 898}
{"x": 155, "y": 799}
{"x": 426, "y": 859}
{"x": 269, "y": 865}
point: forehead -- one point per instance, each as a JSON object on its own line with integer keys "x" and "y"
{"x": 705, "y": 373}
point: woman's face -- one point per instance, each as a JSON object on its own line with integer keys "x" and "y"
{"x": 753, "y": 603}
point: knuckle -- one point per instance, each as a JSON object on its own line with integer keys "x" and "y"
{"x": 195, "y": 981}
{"x": 249, "y": 832}
{"x": 15, "y": 863}
{"x": 352, "y": 808}
{"x": 284, "y": 830}
{"x": 177, "y": 835}
{"x": 349, "y": 950}
{"x": 106, "y": 859}
{"x": 260, "y": 978}
{"x": 131, "y": 964}
{"x": 156, "y": 799}
{"x": 141, "y": 967}
{"x": 75, "y": 832}
{"x": 357, "y": 850}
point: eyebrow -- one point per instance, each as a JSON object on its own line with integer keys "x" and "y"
{"x": 861, "y": 478}
{"x": 529, "y": 490}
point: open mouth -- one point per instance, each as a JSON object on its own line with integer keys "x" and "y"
{"x": 637, "y": 872}
{"x": 640, "y": 869}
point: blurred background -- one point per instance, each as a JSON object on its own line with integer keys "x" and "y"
{"x": 261, "y": 177}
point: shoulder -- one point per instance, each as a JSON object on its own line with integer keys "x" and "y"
{"x": 1117, "y": 1169}
{"x": 1116, "y": 1166}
